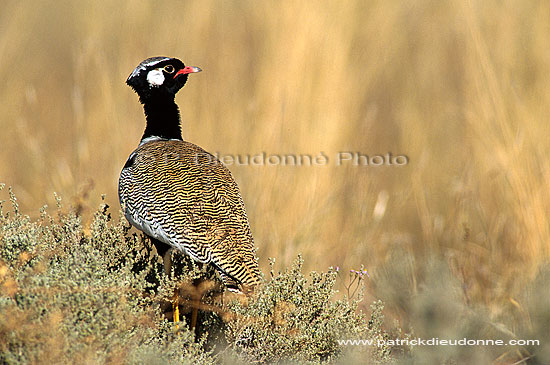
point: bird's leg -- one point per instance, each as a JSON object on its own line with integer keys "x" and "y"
{"x": 167, "y": 260}
{"x": 197, "y": 291}
{"x": 176, "y": 309}
{"x": 165, "y": 251}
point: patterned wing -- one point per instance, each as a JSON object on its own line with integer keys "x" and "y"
{"x": 183, "y": 196}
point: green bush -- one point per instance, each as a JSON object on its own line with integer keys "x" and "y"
{"x": 71, "y": 297}
{"x": 293, "y": 318}
{"x": 74, "y": 293}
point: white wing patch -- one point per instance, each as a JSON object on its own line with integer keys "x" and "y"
{"x": 155, "y": 230}
{"x": 149, "y": 228}
{"x": 155, "y": 77}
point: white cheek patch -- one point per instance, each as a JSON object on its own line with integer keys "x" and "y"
{"x": 155, "y": 77}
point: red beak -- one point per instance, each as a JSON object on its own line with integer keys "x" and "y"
{"x": 187, "y": 70}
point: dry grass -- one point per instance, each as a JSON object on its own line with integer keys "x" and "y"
{"x": 461, "y": 88}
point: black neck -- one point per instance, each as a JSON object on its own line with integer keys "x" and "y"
{"x": 163, "y": 118}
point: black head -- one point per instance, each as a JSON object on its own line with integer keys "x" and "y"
{"x": 159, "y": 76}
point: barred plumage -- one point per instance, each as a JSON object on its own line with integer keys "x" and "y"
{"x": 179, "y": 194}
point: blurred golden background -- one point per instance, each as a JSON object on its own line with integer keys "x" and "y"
{"x": 460, "y": 87}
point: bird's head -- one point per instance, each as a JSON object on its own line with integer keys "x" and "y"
{"x": 159, "y": 76}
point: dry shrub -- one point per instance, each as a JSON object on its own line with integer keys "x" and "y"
{"x": 98, "y": 294}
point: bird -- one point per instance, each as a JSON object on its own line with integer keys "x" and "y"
{"x": 179, "y": 195}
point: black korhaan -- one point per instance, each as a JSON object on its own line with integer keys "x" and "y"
{"x": 179, "y": 195}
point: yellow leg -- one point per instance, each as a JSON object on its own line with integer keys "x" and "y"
{"x": 167, "y": 260}
{"x": 176, "y": 309}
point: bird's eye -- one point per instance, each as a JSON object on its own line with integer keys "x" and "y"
{"x": 169, "y": 69}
